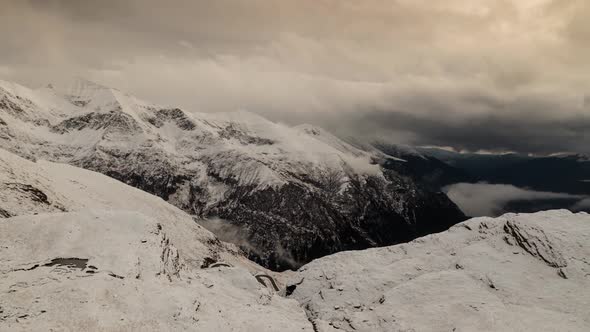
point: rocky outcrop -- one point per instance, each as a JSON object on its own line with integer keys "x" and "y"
{"x": 534, "y": 241}
{"x": 174, "y": 115}
{"x": 115, "y": 120}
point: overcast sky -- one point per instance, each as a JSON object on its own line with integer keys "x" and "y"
{"x": 472, "y": 74}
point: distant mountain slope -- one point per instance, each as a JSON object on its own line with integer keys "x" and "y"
{"x": 512, "y": 273}
{"x": 295, "y": 194}
{"x": 479, "y": 165}
{"x": 555, "y": 173}
{"x": 558, "y": 173}
{"x": 423, "y": 168}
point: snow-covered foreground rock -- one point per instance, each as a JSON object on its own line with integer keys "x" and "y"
{"x": 528, "y": 272}
{"x": 292, "y": 193}
{"x": 81, "y": 251}
{"x": 120, "y": 271}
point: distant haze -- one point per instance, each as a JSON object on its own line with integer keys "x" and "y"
{"x": 483, "y": 199}
{"x": 495, "y": 75}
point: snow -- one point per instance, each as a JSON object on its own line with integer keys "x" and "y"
{"x": 238, "y": 145}
{"x": 82, "y": 251}
{"x": 518, "y": 272}
{"x": 136, "y": 261}
{"x": 135, "y": 278}
{"x": 85, "y": 252}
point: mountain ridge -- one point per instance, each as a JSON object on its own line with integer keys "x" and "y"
{"x": 297, "y": 193}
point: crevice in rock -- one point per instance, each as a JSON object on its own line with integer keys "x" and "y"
{"x": 311, "y": 318}
{"x": 207, "y": 262}
{"x": 291, "y": 288}
{"x": 4, "y": 213}
{"x": 79, "y": 263}
{"x": 36, "y": 194}
{"x": 170, "y": 258}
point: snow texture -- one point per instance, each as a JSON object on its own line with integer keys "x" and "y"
{"x": 518, "y": 272}
{"x": 82, "y": 251}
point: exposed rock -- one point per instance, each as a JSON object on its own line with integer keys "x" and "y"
{"x": 535, "y": 242}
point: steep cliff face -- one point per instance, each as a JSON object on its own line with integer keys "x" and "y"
{"x": 294, "y": 224}
{"x": 294, "y": 194}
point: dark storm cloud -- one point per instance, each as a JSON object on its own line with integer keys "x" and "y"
{"x": 525, "y": 132}
{"x": 475, "y": 74}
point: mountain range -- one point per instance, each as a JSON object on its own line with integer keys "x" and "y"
{"x": 82, "y": 251}
{"x": 131, "y": 248}
{"x": 285, "y": 195}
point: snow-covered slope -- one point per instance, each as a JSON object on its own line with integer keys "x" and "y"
{"x": 28, "y": 187}
{"x": 81, "y": 251}
{"x": 295, "y": 193}
{"x": 118, "y": 271}
{"x": 518, "y": 272}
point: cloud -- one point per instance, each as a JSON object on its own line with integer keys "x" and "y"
{"x": 583, "y": 205}
{"x": 483, "y": 199}
{"x": 506, "y": 75}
